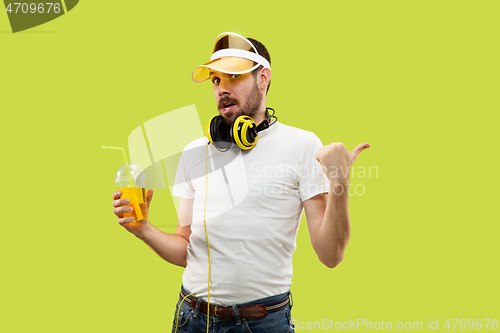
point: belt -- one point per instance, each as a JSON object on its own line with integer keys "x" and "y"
{"x": 255, "y": 311}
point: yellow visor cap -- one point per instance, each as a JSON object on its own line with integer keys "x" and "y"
{"x": 232, "y": 54}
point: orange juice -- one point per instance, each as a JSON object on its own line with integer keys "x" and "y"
{"x": 140, "y": 195}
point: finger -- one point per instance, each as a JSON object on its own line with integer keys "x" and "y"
{"x": 320, "y": 154}
{"x": 356, "y": 151}
{"x": 121, "y": 202}
{"x": 117, "y": 195}
{"x": 125, "y": 220}
{"x": 120, "y": 210}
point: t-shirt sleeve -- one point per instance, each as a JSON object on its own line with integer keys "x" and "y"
{"x": 182, "y": 186}
{"x": 312, "y": 179}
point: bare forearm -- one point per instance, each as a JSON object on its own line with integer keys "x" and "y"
{"x": 334, "y": 232}
{"x": 170, "y": 247}
{"x": 331, "y": 237}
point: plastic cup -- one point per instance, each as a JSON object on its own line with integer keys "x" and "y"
{"x": 132, "y": 183}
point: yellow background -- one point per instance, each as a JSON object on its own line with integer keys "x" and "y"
{"x": 417, "y": 80}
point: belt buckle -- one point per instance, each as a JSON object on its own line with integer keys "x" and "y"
{"x": 215, "y": 311}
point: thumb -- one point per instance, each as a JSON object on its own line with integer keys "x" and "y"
{"x": 149, "y": 196}
{"x": 359, "y": 148}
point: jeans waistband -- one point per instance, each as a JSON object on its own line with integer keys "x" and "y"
{"x": 275, "y": 302}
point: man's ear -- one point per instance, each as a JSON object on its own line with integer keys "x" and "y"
{"x": 264, "y": 78}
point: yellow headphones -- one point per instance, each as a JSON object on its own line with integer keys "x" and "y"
{"x": 244, "y": 132}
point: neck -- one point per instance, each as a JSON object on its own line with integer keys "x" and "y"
{"x": 261, "y": 114}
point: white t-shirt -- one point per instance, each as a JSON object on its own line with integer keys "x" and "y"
{"x": 253, "y": 211}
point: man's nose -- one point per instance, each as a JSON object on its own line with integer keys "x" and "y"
{"x": 223, "y": 88}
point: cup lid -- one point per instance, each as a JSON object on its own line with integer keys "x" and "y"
{"x": 136, "y": 173}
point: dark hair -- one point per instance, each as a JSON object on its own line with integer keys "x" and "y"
{"x": 261, "y": 49}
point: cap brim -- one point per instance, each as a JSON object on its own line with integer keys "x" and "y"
{"x": 229, "y": 65}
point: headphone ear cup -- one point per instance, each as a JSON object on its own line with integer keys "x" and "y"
{"x": 218, "y": 133}
{"x": 244, "y": 132}
{"x": 251, "y": 135}
{"x": 210, "y": 129}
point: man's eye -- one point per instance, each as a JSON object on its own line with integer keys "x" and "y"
{"x": 234, "y": 76}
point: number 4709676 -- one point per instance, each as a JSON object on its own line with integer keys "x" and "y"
{"x": 471, "y": 323}
{"x": 34, "y": 8}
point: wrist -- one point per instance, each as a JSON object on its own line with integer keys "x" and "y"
{"x": 146, "y": 232}
{"x": 339, "y": 188}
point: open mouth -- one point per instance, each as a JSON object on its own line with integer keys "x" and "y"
{"x": 226, "y": 107}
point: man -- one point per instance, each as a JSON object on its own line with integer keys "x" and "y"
{"x": 243, "y": 211}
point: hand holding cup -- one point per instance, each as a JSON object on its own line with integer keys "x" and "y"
{"x": 125, "y": 213}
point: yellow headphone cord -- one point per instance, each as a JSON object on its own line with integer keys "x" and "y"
{"x": 208, "y": 247}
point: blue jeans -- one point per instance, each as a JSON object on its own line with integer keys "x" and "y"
{"x": 192, "y": 320}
